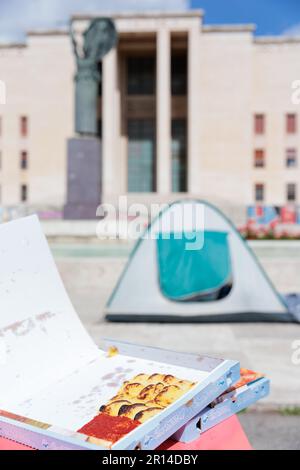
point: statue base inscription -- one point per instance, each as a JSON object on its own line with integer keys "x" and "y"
{"x": 84, "y": 178}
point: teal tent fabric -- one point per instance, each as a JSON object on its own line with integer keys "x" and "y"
{"x": 186, "y": 274}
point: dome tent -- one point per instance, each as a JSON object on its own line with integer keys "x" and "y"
{"x": 192, "y": 265}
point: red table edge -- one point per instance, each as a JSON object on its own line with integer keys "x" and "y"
{"x": 228, "y": 435}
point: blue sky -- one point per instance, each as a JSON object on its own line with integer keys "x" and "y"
{"x": 271, "y": 16}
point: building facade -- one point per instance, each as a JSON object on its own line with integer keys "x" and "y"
{"x": 184, "y": 109}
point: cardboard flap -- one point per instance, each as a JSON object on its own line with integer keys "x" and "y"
{"x": 41, "y": 337}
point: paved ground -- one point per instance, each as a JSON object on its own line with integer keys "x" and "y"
{"x": 268, "y": 431}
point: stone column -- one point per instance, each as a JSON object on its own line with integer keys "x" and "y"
{"x": 193, "y": 109}
{"x": 163, "y": 111}
{"x": 110, "y": 127}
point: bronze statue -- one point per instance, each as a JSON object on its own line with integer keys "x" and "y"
{"x": 99, "y": 38}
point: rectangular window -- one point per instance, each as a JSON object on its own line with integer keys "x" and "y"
{"x": 291, "y": 192}
{"x": 100, "y": 82}
{"x": 141, "y": 155}
{"x": 179, "y": 75}
{"x": 291, "y": 158}
{"x": 141, "y": 75}
{"x": 179, "y": 157}
{"x": 259, "y": 192}
{"x": 99, "y": 128}
{"x": 259, "y": 123}
{"x": 259, "y": 158}
{"x": 24, "y": 192}
{"x": 291, "y": 123}
{"x": 24, "y": 126}
{"x": 24, "y": 160}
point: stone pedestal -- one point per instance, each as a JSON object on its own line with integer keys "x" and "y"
{"x": 83, "y": 178}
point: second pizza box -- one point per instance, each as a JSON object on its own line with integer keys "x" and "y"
{"x": 250, "y": 388}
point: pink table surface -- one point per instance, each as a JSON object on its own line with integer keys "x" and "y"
{"x": 229, "y": 435}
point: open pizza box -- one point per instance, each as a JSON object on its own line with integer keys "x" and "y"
{"x": 54, "y": 379}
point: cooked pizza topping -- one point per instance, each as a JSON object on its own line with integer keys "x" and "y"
{"x": 146, "y": 395}
{"x": 247, "y": 377}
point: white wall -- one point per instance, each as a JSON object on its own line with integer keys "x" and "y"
{"x": 275, "y": 67}
{"x": 39, "y": 81}
{"x": 225, "y": 88}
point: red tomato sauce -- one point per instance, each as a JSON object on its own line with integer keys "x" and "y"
{"x": 109, "y": 428}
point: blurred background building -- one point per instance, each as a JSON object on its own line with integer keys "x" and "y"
{"x": 184, "y": 109}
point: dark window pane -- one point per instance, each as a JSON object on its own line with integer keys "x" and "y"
{"x": 259, "y": 192}
{"x": 179, "y": 155}
{"x": 291, "y": 123}
{"x": 259, "y": 158}
{"x": 291, "y": 192}
{"x": 24, "y": 160}
{"x": 99, "y": 128}
{"x": 291, "y": 158}
{"x": 100, "y": 83}
{"x": 179, "y": 75}
{"x": 141, "y": 155}
{"x": 24, "y": 126}
{"x": 141, "y": 75}
{"x": 24, "y": 192}
{"x": 259, "y": 123}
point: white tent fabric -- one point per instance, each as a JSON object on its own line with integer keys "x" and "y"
{"x": 138, "y": 296}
